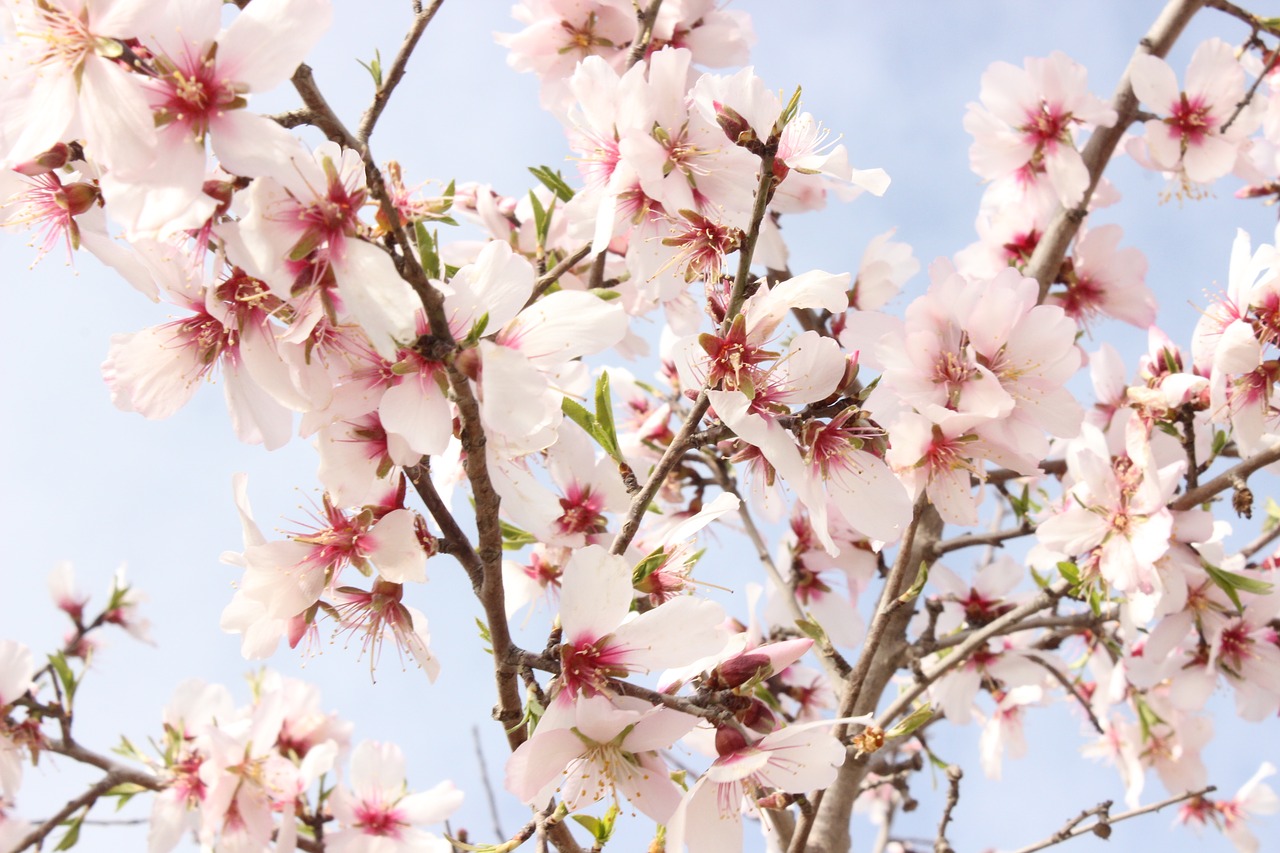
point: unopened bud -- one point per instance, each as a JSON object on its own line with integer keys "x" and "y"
{"x": 729, "y": 740}
{"x": 79, "y": 197}
{"x": 739, "y": 670}
{"x": 758, "y": 717}
{"x": 44, "y": 163}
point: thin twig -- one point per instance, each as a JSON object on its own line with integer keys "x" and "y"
{"x": 553, "y": 275}
{"x": 1248, "y": 17}
{"x": 84, "y": 801}
{"x": 954, "y": 775}
{"x": 1226, "y": 480}
{"x": 485, "y": 783}
{"x": 1062, "y": 679}
{"x": 995, "y": 537}
{"x": 1262, "y": 541}
{"x": 1073, "y": 828}
{"x": 681, "y": 442}
{"x": 972, "y": 643}
{"x": 396, "y": 73}
{"x": 832, "y": 661}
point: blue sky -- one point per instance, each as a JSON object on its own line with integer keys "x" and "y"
{"x": 87, "y": 483}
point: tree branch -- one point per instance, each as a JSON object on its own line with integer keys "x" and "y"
{"x": 681, "y": 442}
{"x": 1102, "y": 827}
{"x": 396, "y": 73}
{"x": 954, "y": 775}
{"x": 84, "y": 801}
{"x": 645, "y": 19}
{"x": 1226, "y": 480}
{"x": 881, "y": 657}
{"x": 964, "y": 649}
{"x": 994, "y": 537}
{"x": 1254, "y": 22}
{"x": 1052, "y": 247}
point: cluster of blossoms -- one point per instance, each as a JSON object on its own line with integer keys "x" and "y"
{"x": 236, "y": 778}
{"x": 452, "y": 371}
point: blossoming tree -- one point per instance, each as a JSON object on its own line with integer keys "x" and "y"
{"x": 577, "y": 397}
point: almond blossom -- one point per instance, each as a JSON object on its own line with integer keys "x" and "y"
{"x": 1191, "y": 137}
{"x": 377, "y": 812}
{"x": 1024, "y": 126}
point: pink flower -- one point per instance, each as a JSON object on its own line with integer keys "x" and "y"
{"x": 378, "y": 813}
{"x": 1190, "y": 139}
{"x": 606, "y": 749}
{"x": 1023, "y": 128}
{"x": 795, "y": 759}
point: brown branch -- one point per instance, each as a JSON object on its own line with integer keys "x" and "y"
{"x": 954, "y": 775}
{"x": 645, "y": 19}
{"x": 1262, "y": 541}
{"x": 1102, "y": 827}
{"x": 994, "y": 537}
{"x": 895, "y": 584}
{"x": 421, "y": 18}
{"x": 117, "y": 776}
{"x": 1062, "y": 679}
{"x": 553, "y": 275}
{"x": 455, "y": 541}
{"x": 293, "y": 118}
{"x": 972, "y": 643}
{"x": 881, "y": 657}
{"x": 1085, "y": 619}
{"x": 681, "y": 442}
{"x": 1255, "y": 23}
{"x": 1226, "y": 480}
{"x": 1052, "y": 247}
{"x": 485, "y": 783}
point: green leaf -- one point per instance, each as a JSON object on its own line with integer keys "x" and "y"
{"x": 126, "y": 791}
{"x": 788, "y": 113}
{"x": 1219, "y": 442}
{"x": 541, "y": 218}
{"x": 1070, "y": 572}
{"x": 484, "y": 634}
{"x": 428, "y": 254}
{"x": 374, "y": 67}
{"x": 552, "y": 181}
{"x": 1230, "y": 583}
{"x": 513, "y": 538}
{"x": 648, "y": 565}
{"x": 915, "y": 720}
{"x": 73, "y": 832}
{"x": 604, "y": 417}
{"x": 812, "y": 630}
{"x": 65, "y": 675}
{"x": 600, "y": 828}
{"x": 578, "y": 413}
{"x": 1273, "y": 516}
{"x": 477, "y": 331}
{"x": 921, "y": 577}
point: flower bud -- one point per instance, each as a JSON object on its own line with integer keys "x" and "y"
{"x": 49, "y": 161}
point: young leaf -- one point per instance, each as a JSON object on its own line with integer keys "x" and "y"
{"x": 374, "y": 67}
{"x": 552, "y": 181}
{"x": 65, "y": 675}
{"x": 604, "y": 417}
{"x": 1230, "y": 583}
{"x": 428, "y": 255}
{"x": 72, "y": 835}
{"x": 921, "y": 577}
{"x": 913, "y": 721}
